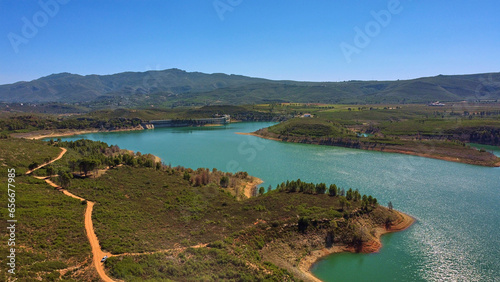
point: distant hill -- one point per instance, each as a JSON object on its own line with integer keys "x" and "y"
{"x": 66, "y": 87}
{"x": 174, "y": 87}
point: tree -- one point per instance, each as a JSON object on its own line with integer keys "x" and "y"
{"x": 33, "y": 165}
{"x": 269, "y": 188}
{"x": 224, "y": 181}
{"x": 262, "y": 190}
{"x": 321, "y": 188}
{"x": 389, "y": 205}
{"x": 205, "y": 178}
{"x": 343, "y": 202}
{"x": 349, "y": 194}
{"x": 197, "y": 180}
{"x": 364, "y": 205}
{"x": 50, "y": 170}
{"x": 303, "y": 224}
{"x": 72, "y": 164}
{"x": 87, "y": 165}
{"x": 65, "y": 179}
{"x": 116, "y": 161}
{"x": 357, "y": 195}
{"x": 370, "y": 200}
{"x": 187, "y": 176}
{"x": 332, "y": 191}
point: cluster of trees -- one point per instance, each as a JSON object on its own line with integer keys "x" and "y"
{"x": 205, "y": 176}
{"x": 488, "y": 135}
{"x": 35, "y": 122}
{"x": 82, "y": 123}
{"x": 96, "y": 154}
{"x": 64, "y": 178}
{"x": 321, "y": 188}
{"x": 309, "y": 188}
{"x": 202, "y": 178}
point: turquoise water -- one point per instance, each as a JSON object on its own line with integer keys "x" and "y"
{"x": 457, "y": 206}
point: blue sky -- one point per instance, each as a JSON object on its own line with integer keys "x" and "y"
{"x": 297, "y": 40}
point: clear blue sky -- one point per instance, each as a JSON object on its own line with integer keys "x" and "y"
{"x": 298, "y": 40}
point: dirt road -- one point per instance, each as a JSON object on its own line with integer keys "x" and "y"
{"x": 97, "y": 253}
{"x": 42, "y": 165}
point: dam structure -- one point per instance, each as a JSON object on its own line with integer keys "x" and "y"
{"x": 225, "y": 119}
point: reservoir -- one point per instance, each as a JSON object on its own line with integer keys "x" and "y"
{"x": 457, "y": 206}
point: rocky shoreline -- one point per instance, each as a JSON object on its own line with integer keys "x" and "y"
{"x": 446, "y": 154}
{"x": 371, "y": 246}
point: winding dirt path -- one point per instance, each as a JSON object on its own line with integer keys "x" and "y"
{"x": 97, "y": 252}
{"x": 63, "y": 151}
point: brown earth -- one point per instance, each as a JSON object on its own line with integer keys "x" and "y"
{"x": 250, "y": 186}
{"x": 40, "y": 134}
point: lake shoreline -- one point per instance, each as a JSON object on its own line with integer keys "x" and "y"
{"x": 249, "y": 186}
{"x": 372, "y": 246}
{"x": 41, "y": 134}
{"x": 385, "y": 149}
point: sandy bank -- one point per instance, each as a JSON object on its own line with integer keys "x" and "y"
{"x": 40, "y": 134}
{"x": 250, "y": 185}
{"x": 373, "y": 246}
{"x": 444, "y": 158}
{"x": 257, "y": 135}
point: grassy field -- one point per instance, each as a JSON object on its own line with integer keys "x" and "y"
{"x": 314, "y": 127}
{"x": 50, "y": 234}
{"x": 19, "y": 154}
{"x": 136, "y": 214}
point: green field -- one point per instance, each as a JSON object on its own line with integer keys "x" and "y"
{"x": 50, "y": 234}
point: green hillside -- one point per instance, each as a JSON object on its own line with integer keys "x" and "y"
{"x": 160, "y": 223}
{"x": 174, "y": 87}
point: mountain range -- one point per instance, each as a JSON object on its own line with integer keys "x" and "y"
{"x": 174, "y": 87}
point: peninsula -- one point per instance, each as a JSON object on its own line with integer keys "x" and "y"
{"x": 202, "y": 218}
